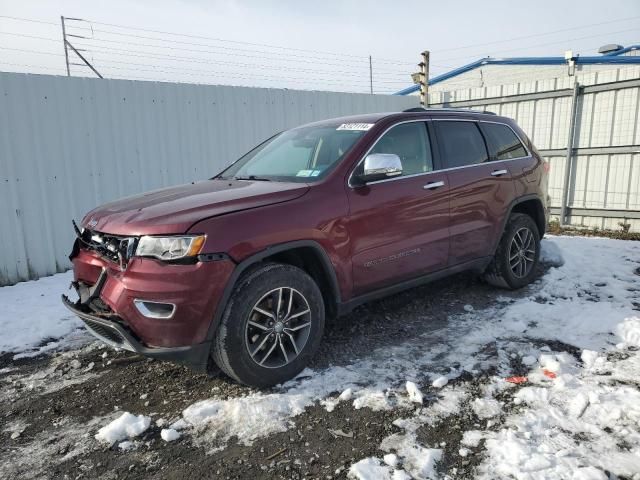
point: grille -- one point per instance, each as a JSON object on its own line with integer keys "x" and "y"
{"x": 112, "y": 247}
{"x": 105, "y": 332}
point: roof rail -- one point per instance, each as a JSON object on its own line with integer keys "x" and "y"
{"x": 447, "y": 109}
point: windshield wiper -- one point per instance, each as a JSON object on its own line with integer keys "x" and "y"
{"x": 253, "y": 177}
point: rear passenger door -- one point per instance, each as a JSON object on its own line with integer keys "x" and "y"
{"x": 480, "y": 189}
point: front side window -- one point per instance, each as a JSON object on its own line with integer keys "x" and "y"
{"x": 410, "y": 142}
{"x": 461, "y": 143}
{"x": 299, "y": 155}
{"x": 502, "y": 142}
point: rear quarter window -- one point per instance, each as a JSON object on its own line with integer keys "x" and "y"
{"x": 503, "y": 143}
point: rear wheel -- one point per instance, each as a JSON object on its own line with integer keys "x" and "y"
{"x": 271, "y": 327}
{"x": 516, "y": 258}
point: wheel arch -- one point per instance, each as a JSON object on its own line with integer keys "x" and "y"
{"x": 305, "y": 254}
{"x": 530, "y": 205}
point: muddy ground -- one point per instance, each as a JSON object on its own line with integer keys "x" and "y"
{"x": 49, "y": 404}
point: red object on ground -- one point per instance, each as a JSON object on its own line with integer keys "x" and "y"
{"x": 516, "y": 379}
{"x": 549, "y": 373}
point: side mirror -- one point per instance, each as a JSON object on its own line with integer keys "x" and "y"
{"x": 380, "y": 166}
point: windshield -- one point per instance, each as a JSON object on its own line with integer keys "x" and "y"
{"x": 299, "y": 155}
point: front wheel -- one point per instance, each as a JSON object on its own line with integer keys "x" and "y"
{"x": 271, "y": 327}
{"x": 516, "y": 258}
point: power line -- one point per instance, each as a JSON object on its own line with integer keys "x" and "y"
{"x": 229, "y": 73}
{"x": 314, "y": 51}
{"x": 248, "y": 65}
{"x": 222, "y": 40}
{"x": 536, "y": 35}
{"x": 154, "y": 69}
{"x": 43, "y": 67}
{"x": 280, "y": 58}
{"x": 22, "y": 19}
{"x": 153, "y": 55}
{"x": 588, "y": 37}
{"x": 161, "y": 56}
{"x": 231, "y": 41}
{"x": 233, "y": 54}
{"x": 25, "y": 50}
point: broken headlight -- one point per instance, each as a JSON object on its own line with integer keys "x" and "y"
{"x": 170, "y": 248}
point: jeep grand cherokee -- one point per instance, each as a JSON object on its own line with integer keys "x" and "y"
{"x": 241, "y": 270}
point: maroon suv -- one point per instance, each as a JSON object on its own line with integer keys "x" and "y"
{"x": 242, "y": 269}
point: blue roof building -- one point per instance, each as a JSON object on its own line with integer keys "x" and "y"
{"x": 488, "y": 71}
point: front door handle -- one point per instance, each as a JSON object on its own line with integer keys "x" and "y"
{"x": 433, "y": 185}
{"x": 499, "y": 173}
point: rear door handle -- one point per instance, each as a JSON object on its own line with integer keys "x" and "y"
{"x": 433, "y": 185}
{"x": 499, "y": 173}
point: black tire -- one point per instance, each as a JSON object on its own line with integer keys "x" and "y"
{"x": 501, "y": 271}
{"x": 232, "y": 347}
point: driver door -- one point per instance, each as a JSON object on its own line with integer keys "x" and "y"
{"x": 399, "y": 227}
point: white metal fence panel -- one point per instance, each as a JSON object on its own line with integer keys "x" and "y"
{"x": 605, "y": 177}
{"x": 70, "y": 144}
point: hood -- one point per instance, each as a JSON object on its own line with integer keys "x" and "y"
{"x": 176, "y": 209}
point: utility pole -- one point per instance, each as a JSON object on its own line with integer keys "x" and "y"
{"x": 67, "y": 46}
{"x": 64, "y": 42}
{"x": 568, "y": 165}
{"x": 424, "y": 79}
{"x": 370, "y": 75}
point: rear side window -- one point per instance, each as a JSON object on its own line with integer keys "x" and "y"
{"x": 461, "y": 143}
{"x": 502, "y": 142}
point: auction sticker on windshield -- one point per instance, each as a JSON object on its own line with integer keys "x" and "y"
{"x": 355, "y": 126}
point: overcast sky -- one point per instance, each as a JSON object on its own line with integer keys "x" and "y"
{"x": 299, "y": 44}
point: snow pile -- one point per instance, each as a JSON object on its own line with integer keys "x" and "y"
{"x": 629, "y": 331}
{"x": 391, "y": 459}
{"x": 415, "y": 395}
{"x": 550, "y": 254}
{"x": 371, "y": 469}
{"x": 33, "y": 313}
{"x": 582, "y": 302}
{"x": 404, "y": 449}
{"x": 126, "y": 426}
{"x": 169, "y": 434}
{"x": 417, "y": 460}
{"x": 331, "y": 403}
{"x": 440, "y": 382}
{"x": 486, "y": 407}
{"x": 247, "y": 418}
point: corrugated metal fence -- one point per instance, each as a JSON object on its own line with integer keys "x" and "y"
{"x": 70, "y": 144}
{"x": 603, "y": 188}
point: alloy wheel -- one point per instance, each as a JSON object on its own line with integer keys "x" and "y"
{"x": 278, "y": 327}
{"x": 522, "y": 252}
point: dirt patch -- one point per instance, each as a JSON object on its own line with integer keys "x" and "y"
{"x": 554, "y": 228}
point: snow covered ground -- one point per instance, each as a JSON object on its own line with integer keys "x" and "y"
{"x": 573, "y": 337}
{"x": 32, "y": 317}
{"x": 576, "y": 418}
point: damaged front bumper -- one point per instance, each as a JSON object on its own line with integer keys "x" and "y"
{"x": 110, "y": 329}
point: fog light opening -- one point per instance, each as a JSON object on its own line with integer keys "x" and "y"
{"x": 155, "y": 309}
